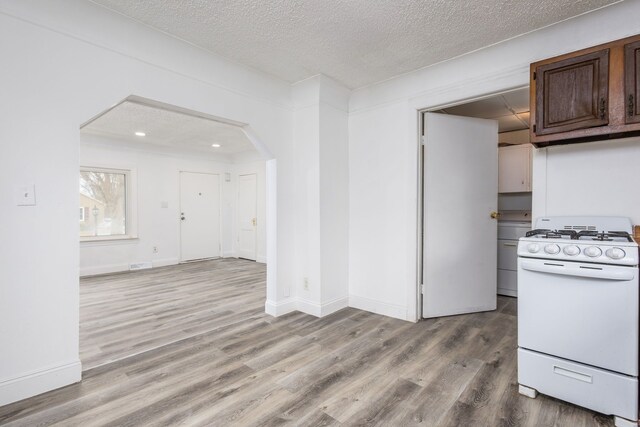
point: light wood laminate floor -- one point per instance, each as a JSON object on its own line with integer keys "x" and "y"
{"x": 232, "y": 365}
{"x": 129, "y": 313}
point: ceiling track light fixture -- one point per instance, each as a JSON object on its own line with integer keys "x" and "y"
{"x": 139, "y": 133}
{"x": 215, "y": 145}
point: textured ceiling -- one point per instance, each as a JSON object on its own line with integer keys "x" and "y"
{"x": 169, "y": 129}
{"x": 356, "y": 42}
{"x": 511, "y": 109}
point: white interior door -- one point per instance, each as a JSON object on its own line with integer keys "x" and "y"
{"x": 200, "y": 216}
{"x": 247, "y": 216}
{"x": 460, "y": 193}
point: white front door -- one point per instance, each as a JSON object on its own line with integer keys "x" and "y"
{"x": 200, "y": 216}
{"x": 247, "y": 216}
{"x": 460, "y": 185}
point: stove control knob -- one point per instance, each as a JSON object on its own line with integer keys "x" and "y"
{"x": 593, "y": 251}
{"x": 533, "y": 247}
{"x": 571, "y": 250}
{"x": 615, "y": 253}
{"x": 552, "y": 249}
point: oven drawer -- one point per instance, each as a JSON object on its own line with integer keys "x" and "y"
{"x": 596, "y": 389}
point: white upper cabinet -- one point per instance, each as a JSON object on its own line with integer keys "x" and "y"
{"x": 514, "y": 168}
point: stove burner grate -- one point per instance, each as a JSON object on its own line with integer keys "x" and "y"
{"x": 603, "y": 236}
{"x": 552, "y": 234}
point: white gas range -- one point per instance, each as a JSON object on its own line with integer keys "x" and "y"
{"x": 578, "y": 314}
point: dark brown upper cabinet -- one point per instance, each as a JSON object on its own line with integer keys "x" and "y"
{"x": 587, "y": 95}
{"x": 573, "y": 93}
{"x": 632, "y": 81}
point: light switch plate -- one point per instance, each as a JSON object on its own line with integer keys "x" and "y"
{"x": 26, "y": 195}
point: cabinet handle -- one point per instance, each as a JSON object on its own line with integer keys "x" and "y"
{"x": 510, "y": 244}
{"x": 572, "y": 374}
{"x": 603, "y": 107}
{"x": 630, "y": 106}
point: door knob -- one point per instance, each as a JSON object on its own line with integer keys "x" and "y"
{"x": 253, "y": 222}
{"x": 181, "y": 216}
{"x": 495, "y": 215}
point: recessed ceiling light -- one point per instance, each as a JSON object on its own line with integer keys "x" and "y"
{"x": 215, "y": 145}
{"x": 140, "y": 133}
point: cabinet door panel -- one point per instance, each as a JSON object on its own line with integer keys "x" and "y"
{"x": 514, "y": 169}
{"x": 573, "y": 93}
{"x": 632, "y": 82}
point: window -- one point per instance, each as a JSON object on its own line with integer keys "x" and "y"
{"x": 104, "y": 204}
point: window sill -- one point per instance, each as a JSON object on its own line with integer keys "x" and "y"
{"x": 107, "y": 240}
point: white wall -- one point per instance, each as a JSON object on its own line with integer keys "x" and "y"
{"x": 596, "y": 178}
{"x": 64, "y": 62}
{"x": 382, "y": 210}
{"x": 383, "y": 141}
{"x": 321, "y": 192}
{"x": 306, "y": 136}
{"x": 157, "y": 173}
{"x": 334, "y": 197}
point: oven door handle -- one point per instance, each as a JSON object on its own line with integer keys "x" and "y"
{"x": 580, "y": 270}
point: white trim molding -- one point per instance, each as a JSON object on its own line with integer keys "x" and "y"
{"x": 165, "y": 262}
{"x": 38, "y": 382}
{"x": 379, "y": 307}
{"x": 276, "y": 309}
{"x": 308, "y": 307}
{"x": 117, "y": 268}
{"x": 321, "y": 310}
{"x": 103, "y": 269}
{"x": 332, "y": 306}
{"x": 305, "y": 306}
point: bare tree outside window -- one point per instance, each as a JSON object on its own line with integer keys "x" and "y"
{"x": 103, "y": 198}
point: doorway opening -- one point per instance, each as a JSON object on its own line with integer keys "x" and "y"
{"x": 467, "y": 241}
{"x": 163, "y": 253}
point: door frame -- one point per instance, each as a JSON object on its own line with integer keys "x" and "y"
{"x": 420, "y": 178}
{"x": 180, "y": 171}
{"x": 237, "y": 219}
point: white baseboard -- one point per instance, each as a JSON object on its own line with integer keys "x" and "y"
{"x": 309, "y": 307}
{"x": 305, "y": 306}
{"x": 39, "y": 382}
{"x": 379, "y": 307}
{"x": 333, "y": 306}
{"x": 117, "y": 268}
{"x": 165, "y": 262}
{"x": 103, "y": 269}
{"x": 259, "y": 258}
{"x": 279, "y": 308}
{"x": 321, "y": 310}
